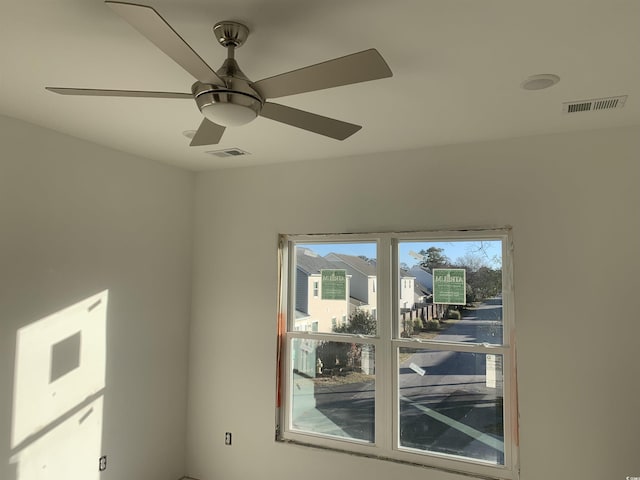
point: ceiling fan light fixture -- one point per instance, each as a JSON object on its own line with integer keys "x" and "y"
{"x": 228, "y": 108}
{"x": 228, "y": 114}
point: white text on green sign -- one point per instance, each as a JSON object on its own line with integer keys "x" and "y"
{"x": 334, "y": 284}
{"x": 450, "y": 286}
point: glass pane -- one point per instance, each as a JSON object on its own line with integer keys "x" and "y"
{"x": 451, "y": 290}
{"x": 452, "y": 403}
{"x": 333, "y": 385}
{"x": 335, "y": 288}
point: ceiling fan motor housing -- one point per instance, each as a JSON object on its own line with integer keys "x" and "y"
{"x": 228, "y": 106}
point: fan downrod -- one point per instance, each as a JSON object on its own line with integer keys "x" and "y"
{"x": 230, "y": 34}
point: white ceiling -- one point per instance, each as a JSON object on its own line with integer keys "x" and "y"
{"x": 457, "y": 64}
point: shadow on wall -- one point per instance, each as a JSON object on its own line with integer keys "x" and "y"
{"x": 58, "y": 394}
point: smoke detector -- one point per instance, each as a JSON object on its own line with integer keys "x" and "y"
{"x": 540, "y": 82}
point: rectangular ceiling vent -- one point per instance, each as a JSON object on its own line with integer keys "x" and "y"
{"x": 228, "y": 152}
{"x": 606, "y": 103}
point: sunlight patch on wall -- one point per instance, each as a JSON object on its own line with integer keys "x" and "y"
{"x": 58, "y": 392}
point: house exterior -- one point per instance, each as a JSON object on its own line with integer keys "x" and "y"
{"x": 422, "y": 275}
{"x": 363, "y": 281}
{"x": 313, "y": 313}
{"x": 406, "y": 290}
{"x": 423, "y": 283}
{"x": 422, "y": 294}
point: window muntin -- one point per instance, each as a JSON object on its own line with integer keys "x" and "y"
{"x": 491, "y": 449}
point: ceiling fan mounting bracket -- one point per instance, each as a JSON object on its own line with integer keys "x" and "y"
{"x": 230, "y": 33}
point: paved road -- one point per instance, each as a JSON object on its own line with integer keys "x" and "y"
{"x": 480, "y": 325}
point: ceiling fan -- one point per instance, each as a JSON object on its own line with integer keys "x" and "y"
{"x": 226, "y": 97}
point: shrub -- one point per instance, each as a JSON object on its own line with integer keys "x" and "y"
{"x": 417, "y": 325}
{"x": 407, "y": 327}
{"x": 432, "y": 325}
{"x": 454, "y": 315}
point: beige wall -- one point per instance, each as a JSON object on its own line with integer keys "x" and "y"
{"x": 94, "y": 242}
{"x": 572, "y": 201}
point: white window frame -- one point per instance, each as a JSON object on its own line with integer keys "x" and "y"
{"x": 386, "y": 445}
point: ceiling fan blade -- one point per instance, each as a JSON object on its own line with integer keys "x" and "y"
{"x": 354, "y": 68}
{"x": 329, "y": 127}
{"x": 208, "y": 133}
{"x": 117, "y": 93}
{"x": 150, "y": 24}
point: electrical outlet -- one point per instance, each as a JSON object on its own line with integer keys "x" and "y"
{"x": 227, "y": 438}
{"x": 102, "y": 463}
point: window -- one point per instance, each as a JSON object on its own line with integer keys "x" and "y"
{"x": 315, "y": 289}
{"x": 428, "y": 381}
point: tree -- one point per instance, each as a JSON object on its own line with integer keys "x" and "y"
{"x": 342, "y": 355}
{"x": 486, "y": 282}
{"x": 482, "y": 281}
{"x": 433, "y": 257}
{"x": 472, "y": 262}
{"x": 367, "y": 259}
{"x": 360, "y": 322}
{"x": 479, "y": 256}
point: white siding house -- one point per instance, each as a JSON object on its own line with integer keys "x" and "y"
{"x": 407, "y": 291}
{"x": 363, "y": 281}
{"x": 422, "y": 275}
{"x": 312, "y": 312}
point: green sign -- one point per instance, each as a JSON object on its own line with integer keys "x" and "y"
{"x": 450, "y": 286}
{"x": 334, "y": 284}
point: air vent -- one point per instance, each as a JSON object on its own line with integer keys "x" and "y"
{"x": 228, "y": 152}
{"x": 606, "y": 103}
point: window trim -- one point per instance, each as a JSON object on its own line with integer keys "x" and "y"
{"x": 385, "y": 344}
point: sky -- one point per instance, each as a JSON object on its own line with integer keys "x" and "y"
{"x": 487, "y": 250}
